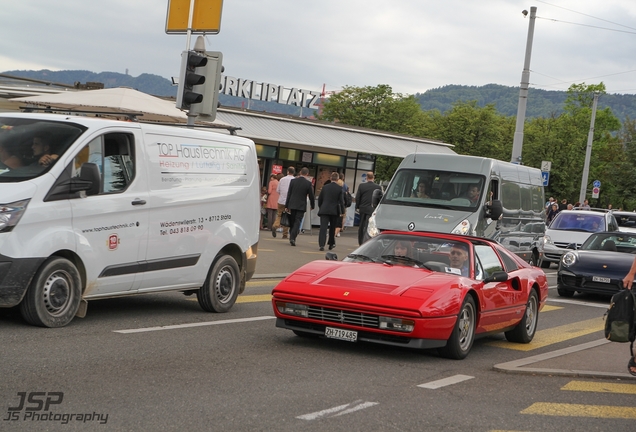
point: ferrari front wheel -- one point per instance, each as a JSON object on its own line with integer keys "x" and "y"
{"x": 525, "y": 330}
{"x": 461, "y": 341}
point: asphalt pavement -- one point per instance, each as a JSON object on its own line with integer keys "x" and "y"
{"x": 596, "y": 359}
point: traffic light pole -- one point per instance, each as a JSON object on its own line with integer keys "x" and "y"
{"x": 588, "y": 151}
{"x": 517, "y": 142}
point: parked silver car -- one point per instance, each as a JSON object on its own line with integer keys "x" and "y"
{"x": 569, "y": 230}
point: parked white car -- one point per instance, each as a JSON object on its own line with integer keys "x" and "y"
{"x": 570, "y": 229}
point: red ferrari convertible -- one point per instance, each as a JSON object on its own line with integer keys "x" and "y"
{"x": 415, "y": 290}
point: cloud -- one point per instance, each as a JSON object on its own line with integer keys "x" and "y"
{"x": 412, "y": 45}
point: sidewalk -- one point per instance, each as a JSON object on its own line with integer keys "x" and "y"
{"x": 597, "y": 359}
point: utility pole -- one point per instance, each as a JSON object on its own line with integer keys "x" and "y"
{"x": 588, "y": 152}
{"x": 517, "y": 142}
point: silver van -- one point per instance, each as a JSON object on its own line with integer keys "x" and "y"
{"x": 466, "y": 195}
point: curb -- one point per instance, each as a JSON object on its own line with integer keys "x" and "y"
{"x": 518, "y": 366}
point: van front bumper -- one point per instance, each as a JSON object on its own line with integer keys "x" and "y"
{"x": 15, "y": 278}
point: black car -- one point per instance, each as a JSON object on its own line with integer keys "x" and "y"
{"x": 599, "y": 266}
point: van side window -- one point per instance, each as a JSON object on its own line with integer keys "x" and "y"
{"x": 113, "y": 155}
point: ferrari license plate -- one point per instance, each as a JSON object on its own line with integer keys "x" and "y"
{"x": 600, "y": 279}
{"x": 347, "y": 335}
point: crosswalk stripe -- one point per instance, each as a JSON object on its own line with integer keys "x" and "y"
{"x": 445, "y": 381}
{"x": 579, "y": 410}
{"x": 253, "y": 298}
{"x": 555, "y": 334}
{"x": 549, "y": 308}
{"x": 600, "y": 387}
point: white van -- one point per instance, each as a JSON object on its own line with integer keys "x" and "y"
{"x": 466, "y": 195}
{"x": 93, "y": 208}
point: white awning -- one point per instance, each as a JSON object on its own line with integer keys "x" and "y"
{"x": 341, "y": 138}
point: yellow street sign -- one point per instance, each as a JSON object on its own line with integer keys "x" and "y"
{"x": 205, "y": 19}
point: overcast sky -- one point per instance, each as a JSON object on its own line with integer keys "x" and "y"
{"x": 411, "y": 45}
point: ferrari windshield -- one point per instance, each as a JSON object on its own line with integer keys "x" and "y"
{"x": 30, "y": 147}
{"x": 434, "y": 188}
{"x": 415, "y": 251}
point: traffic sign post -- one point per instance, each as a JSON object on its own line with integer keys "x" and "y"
{"x": 596, "y": 191}
{"x": 546, "y": 177}
{"x": 206, "y": 16}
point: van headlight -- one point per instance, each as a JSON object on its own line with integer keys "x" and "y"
{"x": 372, "y": 229}
{"x": 547, "y": 240}
{"x": 462, "y": 228}
{"x": 568, "y": 259}
{"x": 10, "y": 214}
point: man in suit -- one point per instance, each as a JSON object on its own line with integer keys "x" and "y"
{"x": 300, "y": 189}
{"x": 364, "y": 205}
{"x": 330, "y": 209}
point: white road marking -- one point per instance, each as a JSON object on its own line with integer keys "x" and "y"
{"x": 446, "y": 381}
{"x": 199, "y": 324}
{"x": 580, "y": 303}
{"x": 338, "y": 411}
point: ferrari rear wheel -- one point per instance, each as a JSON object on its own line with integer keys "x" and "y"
{"x": 525, "y": 330}
{"x": 461, "y": 341}
{"x": 563, "y": 292}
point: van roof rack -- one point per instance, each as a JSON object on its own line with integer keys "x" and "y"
{"x": 132, "y": 116}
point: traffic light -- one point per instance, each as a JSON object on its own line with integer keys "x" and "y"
{"x": 191, "y": 63}
{"x": 210, "y": 88}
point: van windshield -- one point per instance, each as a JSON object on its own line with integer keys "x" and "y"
{"x": 437, "y": 189}
{"x": 30, "y": 147}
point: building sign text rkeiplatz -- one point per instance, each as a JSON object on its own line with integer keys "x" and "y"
{"x": 243, "y": 88}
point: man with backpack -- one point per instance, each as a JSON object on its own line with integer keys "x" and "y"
{"x": 627, "y": 283}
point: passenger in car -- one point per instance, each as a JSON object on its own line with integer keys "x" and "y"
{"x": 403, "y": 248}
{"x": 459, "y": 258}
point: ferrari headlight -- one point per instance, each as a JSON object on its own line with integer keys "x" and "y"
{"x": 10, "y": 214}
{"x": 292, "y": 309}
{"x": 462, "y": 228}
{"x": 568, "y": 259}
{"x": 396, "y": 324}
{"x": 372, "y": 229}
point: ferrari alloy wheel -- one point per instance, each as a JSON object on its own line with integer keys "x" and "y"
{"x": 461, "y": 341}
{"x": 525, "y": 330}
{"x": 564, "y": 292}
{"x": 221, "y": 288}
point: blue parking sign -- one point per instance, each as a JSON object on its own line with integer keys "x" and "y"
{"x": 546, "y": 177}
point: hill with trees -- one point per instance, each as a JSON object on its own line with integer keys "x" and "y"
{"x": 541, "y": 103}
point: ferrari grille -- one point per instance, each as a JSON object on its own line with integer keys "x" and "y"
{"x": 343, "y": 317}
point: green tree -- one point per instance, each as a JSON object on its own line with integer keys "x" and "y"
{"x": 376, "y": 108}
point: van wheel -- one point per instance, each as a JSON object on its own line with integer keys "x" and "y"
{"x": 221, "y": 287}
{"x": 545, "y": 264}
{"x": 461, "y": 340}
{"x": 54, "y": 295}
{"x": 525, "y": 330}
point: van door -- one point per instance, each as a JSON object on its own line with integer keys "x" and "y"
{"x": 112, "y": 223}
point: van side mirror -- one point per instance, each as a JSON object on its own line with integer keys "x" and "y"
{"x": 376, "y": 197}
{"x": 89, "y": 179}
{"x": 494, "y": 210}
